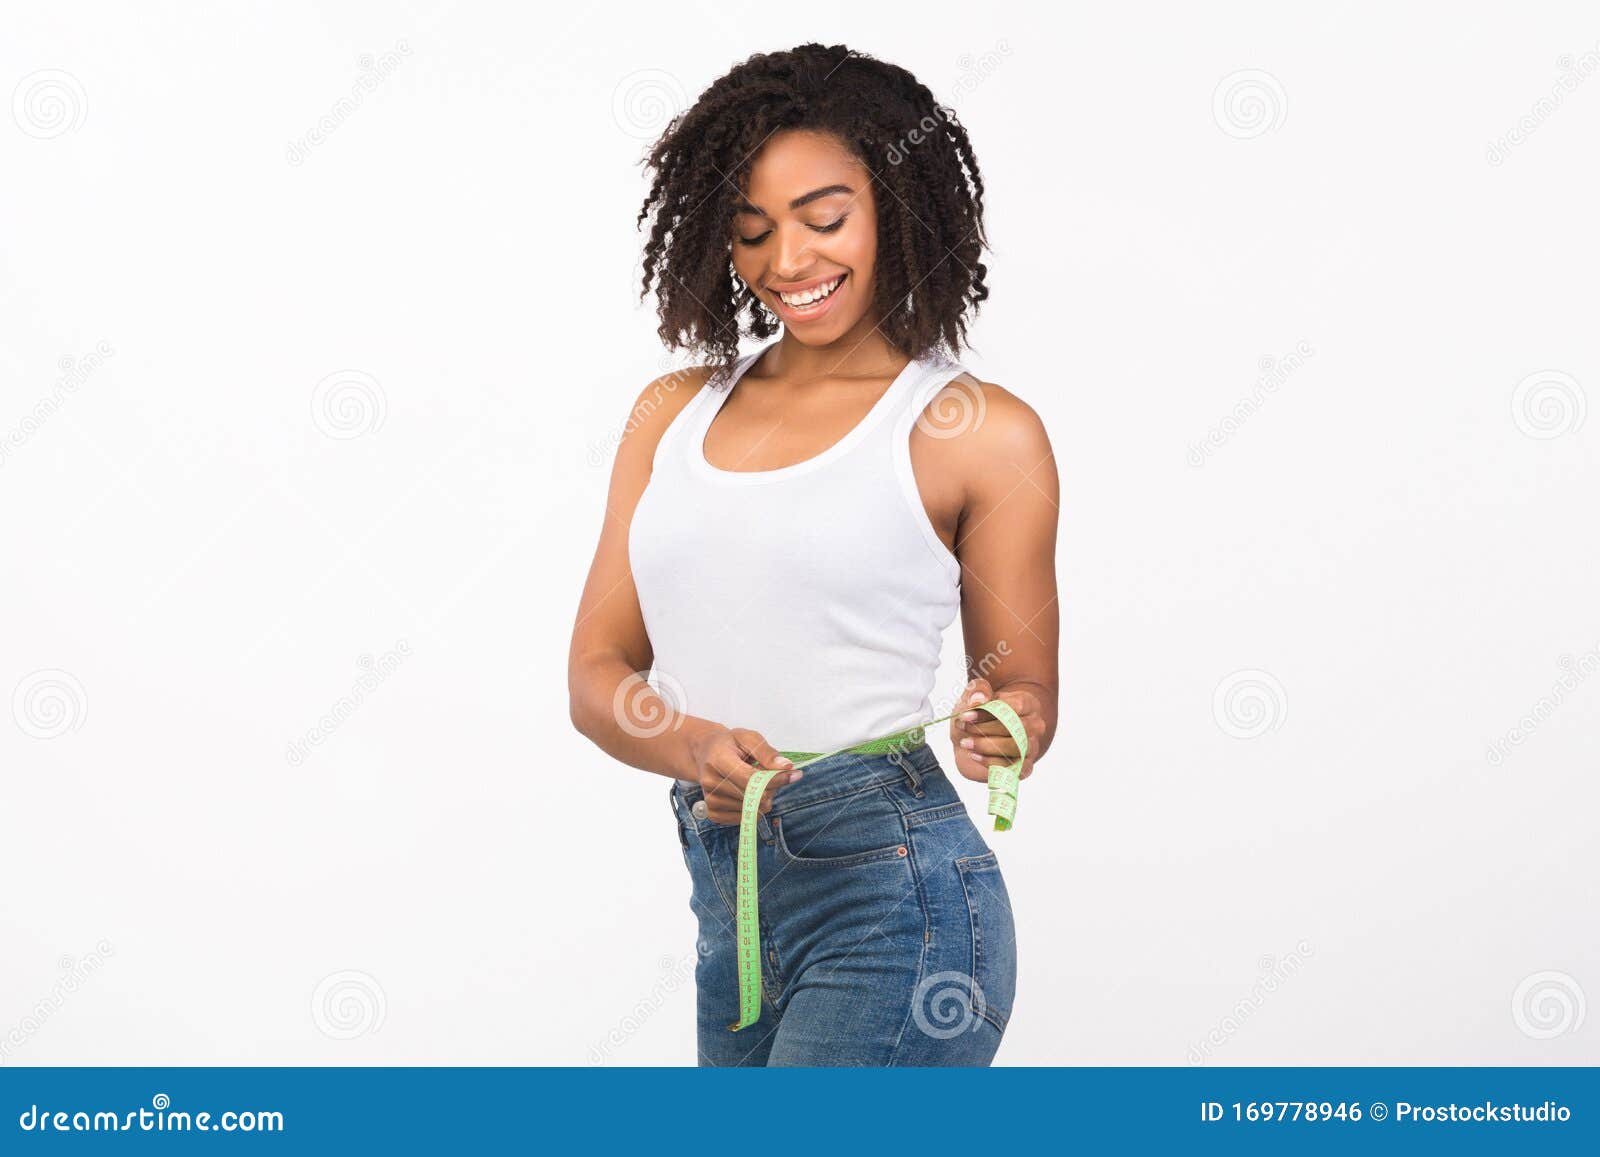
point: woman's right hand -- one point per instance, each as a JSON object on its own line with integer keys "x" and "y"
{"x": 720, "y": 768}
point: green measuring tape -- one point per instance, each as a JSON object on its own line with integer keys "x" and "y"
{"x": 1003, "y": 783}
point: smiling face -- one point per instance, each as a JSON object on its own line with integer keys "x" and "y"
{"x": 805, "y": 238}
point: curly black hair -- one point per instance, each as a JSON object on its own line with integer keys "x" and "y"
{"x": 924, "y": 178}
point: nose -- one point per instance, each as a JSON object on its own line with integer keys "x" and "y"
{"x": 792, "y": 256}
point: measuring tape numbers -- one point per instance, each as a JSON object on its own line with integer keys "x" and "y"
{"x": 1004, "y": 781}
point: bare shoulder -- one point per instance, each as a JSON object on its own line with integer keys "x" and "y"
{"x": 661, "y": 400}
{"x": 971, "y": 416}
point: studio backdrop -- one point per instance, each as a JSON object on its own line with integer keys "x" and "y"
{"x": 319, "y": 330}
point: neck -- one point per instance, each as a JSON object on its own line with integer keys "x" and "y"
{"x": 861, "y": 352}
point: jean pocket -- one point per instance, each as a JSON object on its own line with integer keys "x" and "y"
{"x": 864, "y": 828}
{"x": 994, "y": 938}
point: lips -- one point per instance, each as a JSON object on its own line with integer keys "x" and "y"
{"x": 810, "y": 295}
{"x": 810, "y": 301}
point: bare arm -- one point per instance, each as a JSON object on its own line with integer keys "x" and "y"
{"x": 610, "y": 700}
{"x": 1006, "y": 543}
{"x": 610, "y": 655}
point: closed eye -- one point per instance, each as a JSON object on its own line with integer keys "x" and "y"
{"x": 831, "y": 227}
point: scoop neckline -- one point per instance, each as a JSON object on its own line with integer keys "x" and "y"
{"x": 697, "y": 448}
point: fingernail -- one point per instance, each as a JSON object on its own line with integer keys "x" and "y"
{"x": 967, "y": 743}
{"x": 784, "y": 761}
{"x": 794, "y": 776}
{"x": 969, "y": 717}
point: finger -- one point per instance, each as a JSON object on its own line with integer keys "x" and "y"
{"x": 766, "y": 756}
{"x": 730, "y": 779}
{"x": 1002, "y": 746}
{"x": 971, "y": 765}
{"x": 755, "y": 745}
{"x": 725, "y": 776}
{"x": 977, "y": 691}
{"x": 985, "y": 724}
{"x": 729, "y": 806}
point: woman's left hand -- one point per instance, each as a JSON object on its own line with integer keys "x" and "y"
{"x": 981, "y": 741}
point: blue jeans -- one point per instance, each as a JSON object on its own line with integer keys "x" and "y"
{"x": 886, "y": 930}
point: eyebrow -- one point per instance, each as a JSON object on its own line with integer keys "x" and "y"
{"x": 806, "y": 199}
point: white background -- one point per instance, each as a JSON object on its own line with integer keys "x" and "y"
{"x": 198, "y": 553}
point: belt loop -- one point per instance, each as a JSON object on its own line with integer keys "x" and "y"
{"x": 909, "y": 766}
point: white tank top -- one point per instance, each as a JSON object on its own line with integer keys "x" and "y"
{"x": 806, "y": 603}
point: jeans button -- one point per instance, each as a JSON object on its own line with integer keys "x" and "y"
{"x": 699, "y": 810}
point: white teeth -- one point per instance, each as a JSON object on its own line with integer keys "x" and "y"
{"x": 811, "y": 295}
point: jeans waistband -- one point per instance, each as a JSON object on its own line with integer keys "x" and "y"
{"x": 841, "y": 775}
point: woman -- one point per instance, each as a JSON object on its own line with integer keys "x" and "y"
{"x": 788, "y": 533}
